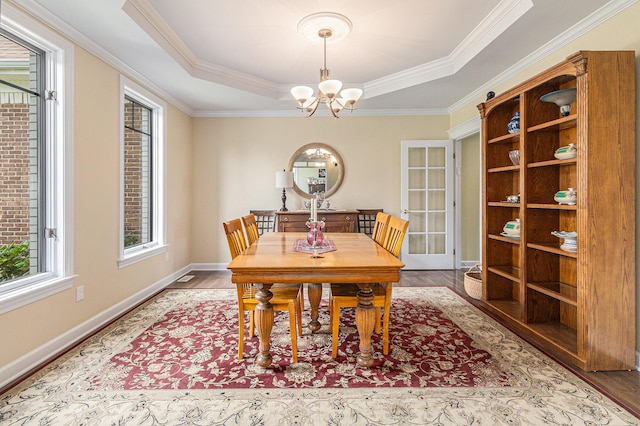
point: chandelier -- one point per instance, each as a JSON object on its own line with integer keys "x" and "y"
{"x": 329, "y": 90}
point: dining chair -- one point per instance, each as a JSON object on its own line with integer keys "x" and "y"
{"x": 265, "y": 219}
{"x": 346, "y": 296}
{"x": 285, "y": 298}
{"x": 396, "y": 230}
{"x": 367, "y": 220}
{"x": 380, "y": 227}
{"x": 251, "y": 228}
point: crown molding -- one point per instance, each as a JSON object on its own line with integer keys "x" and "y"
{"x": 150, "y": 21}
{"x": 464, "y": 129}
{"x": 499, "y": 18}
{"x": 598, "y": 17}
{"x": 34, "y": 9}
{"x": 323, "y": 113}
{"x": 505, "y": 14}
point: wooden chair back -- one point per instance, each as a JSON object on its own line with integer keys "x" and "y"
{"x": 235, "y": 237}
{"x": 251, "y": 228}
{"x": 395, "y": 234}
{"x": 367, "y": 220}
{"x": 265, "y": 219}
{"x": 380, "y": 228}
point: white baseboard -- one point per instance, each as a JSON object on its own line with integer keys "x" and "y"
{"x": 39, "y": 356}
{"x": 208, "y": 266}
{"x": 466, "y": 264}
{"x": 638, "y": 361}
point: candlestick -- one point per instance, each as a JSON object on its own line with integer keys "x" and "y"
{"x": 314, "y": 209}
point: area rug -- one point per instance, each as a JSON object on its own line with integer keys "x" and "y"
{"x": 194, "y": 346}
{"x": 174, "y": 361}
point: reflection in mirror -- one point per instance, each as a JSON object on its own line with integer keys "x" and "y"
{"x": 316, "y": 168}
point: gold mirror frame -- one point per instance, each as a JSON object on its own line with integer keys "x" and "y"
{"x": 333, "y": 152}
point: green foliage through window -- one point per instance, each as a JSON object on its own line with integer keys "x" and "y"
{"x": 14, "y": 260}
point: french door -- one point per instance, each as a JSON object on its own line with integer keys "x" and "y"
{"x": 427, "y": 202}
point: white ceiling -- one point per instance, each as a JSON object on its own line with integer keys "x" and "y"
{"x": 241, "y": 57}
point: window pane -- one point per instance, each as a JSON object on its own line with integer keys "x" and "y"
{"x": 437, "y": 200}
{"x": 437, "y": 157}
{"x": 437, "y": 179}
{"x": 417, "y": 200}
{"x": 417, "y": 157}
{"x": 417, "y": 179}
{"x": 417, "y": 244}
{"x": 20, "y": 172}
{"x": 417, "y": 222}
{"x": 437, "y": 244}
{"x": 137, "y": 174}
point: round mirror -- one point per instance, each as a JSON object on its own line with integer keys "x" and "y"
{"x": 316, "y": 167}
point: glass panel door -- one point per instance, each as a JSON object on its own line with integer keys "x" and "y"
{"x": 427, "y": 202}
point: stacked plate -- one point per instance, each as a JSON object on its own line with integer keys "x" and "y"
{"x": 570, "y": 240}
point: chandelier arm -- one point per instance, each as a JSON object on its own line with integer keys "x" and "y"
{"x": 314, "y": 108}
{"x": 331, "y": 108}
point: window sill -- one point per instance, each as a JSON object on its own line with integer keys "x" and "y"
{"x": 32, "y": 293}
{"x": 141, "y": 254}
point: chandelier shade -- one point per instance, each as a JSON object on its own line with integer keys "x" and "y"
{"x": 329, "y": 90}
{"x": 330, "y": 87}
{"x": 302, "y": 93}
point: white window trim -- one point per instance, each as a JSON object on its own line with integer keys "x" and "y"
{"x": 59, "y": 136}
{"x": 158, "y": 242}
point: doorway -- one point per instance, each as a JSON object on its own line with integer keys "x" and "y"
{"x": 427, "y": 202}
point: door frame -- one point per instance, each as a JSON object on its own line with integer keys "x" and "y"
{"x": 463, "y": 130}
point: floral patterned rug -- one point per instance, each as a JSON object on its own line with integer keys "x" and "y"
{"x": 194, "y": 346}
{"x": 174, "y": 361}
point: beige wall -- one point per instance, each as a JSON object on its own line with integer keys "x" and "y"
{"x": 96, "y": 194}
{"x": 235, "y": 160}
{"x": 470, "y": 187}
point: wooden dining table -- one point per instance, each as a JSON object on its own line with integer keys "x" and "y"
{"x": 356, "y": 260}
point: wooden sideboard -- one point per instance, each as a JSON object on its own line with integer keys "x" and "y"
{"x": 335, "y": 220}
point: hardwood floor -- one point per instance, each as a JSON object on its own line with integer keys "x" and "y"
{"x": 621, "y": 386}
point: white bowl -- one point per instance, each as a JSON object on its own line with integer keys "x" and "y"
{"x": 562, "y": 98}
{"x": 570, "y": 240}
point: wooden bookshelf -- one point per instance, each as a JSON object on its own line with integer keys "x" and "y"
{"x": 581, "y": 304}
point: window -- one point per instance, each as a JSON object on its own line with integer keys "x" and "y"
{"x": 142, "y": 211}
{"x": 138, "y": 134}
{"x": 36, "y": 235}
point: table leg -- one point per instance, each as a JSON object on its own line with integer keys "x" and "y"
{"x": 264, "y": 323}
{"x": 314, "y": 292}
{"x": 365, "y": 322}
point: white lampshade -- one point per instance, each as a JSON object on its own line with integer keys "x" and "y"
{"x": 284, "y": 179}
{"x": 351, "y": 96}
{"x": 301, "y": 93}
{"x": 330, "y": 87}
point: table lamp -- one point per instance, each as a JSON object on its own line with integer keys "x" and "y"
{"x": 284, "y": 180}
